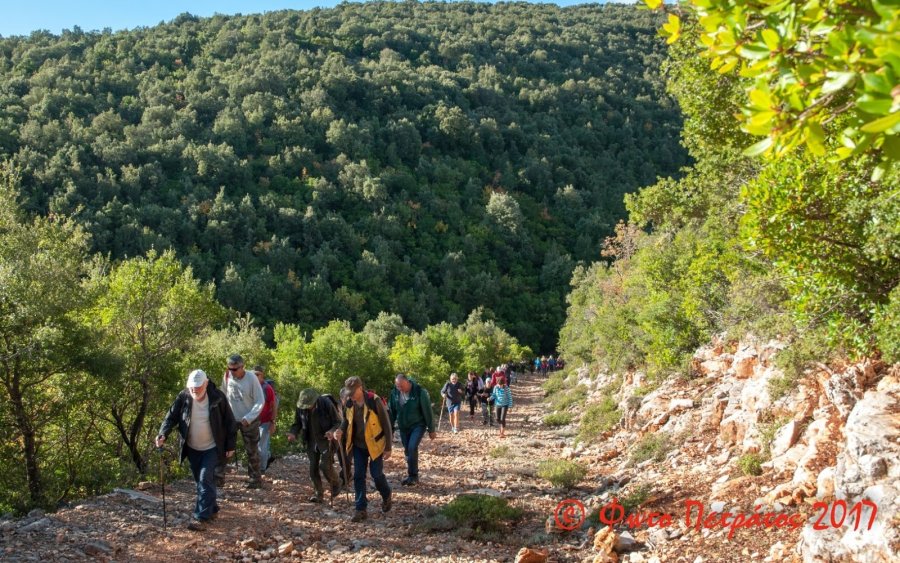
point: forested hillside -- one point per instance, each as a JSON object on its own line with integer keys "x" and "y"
{"x": 423, "y": 159}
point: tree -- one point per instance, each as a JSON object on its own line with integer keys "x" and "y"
{"x": 805, "y": 66}
{"x": 149, "y": 310}
{"x": 42, "y": 265}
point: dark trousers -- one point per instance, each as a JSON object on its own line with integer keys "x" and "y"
{"x": 376, "y": 468}
{"x": 322, "y": 461}
{"x": 501, "y": 415}
{"x": 203, "y": 467}
{"x": 487, "y": 412}
{"x": 472, "y": 403}
{"x": 411, "y": 439}
{"x": 250, "y": 435}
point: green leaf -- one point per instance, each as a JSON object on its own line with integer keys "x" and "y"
{"x": 673, "y": 28}
{"x": 877, "y": 107}
{"x": 815, "y": 138}
{"x": 882, "y": 124}
{"x": 836, "y": 81}
{"x": 758, "y": 148}
{"x": 771, "y": 39}
{"x": 754, "y": 51}
{"x": 877, "y": 83}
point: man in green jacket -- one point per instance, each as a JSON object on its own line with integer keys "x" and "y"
{"x": 410, "y": 412}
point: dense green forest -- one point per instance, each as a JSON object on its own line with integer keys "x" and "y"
{"x": 424, "y": 159}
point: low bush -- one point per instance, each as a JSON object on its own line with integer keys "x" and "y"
{"x": 561, "y": 472}
{"x": 558, "y": 419}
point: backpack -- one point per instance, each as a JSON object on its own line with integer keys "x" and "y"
{"x": 337, "y": 405}
{"x": 271, "y": 383}
{"x": 370, "y": 395}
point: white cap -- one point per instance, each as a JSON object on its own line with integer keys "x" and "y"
{"x": 196, "y": 378}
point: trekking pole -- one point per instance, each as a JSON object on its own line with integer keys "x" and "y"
{"x": 162, "y": 480}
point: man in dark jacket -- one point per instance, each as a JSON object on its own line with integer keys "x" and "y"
{"x": 410, "y": 411}
{"x": 207, "y": 431}
{"x": 315, "y": 421}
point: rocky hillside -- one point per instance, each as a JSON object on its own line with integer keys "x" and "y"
{"x": 718, "y": 440}
{"x": 722, "y": 440}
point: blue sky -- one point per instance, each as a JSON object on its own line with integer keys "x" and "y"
{"x": 21, "y": 17}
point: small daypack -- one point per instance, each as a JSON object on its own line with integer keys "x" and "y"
{"x": 271, "y": 383}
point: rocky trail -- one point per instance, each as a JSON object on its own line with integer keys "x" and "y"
{"x": 711, "y": 420}
{"x": 255, "y": 525}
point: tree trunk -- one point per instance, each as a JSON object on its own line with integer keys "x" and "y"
{"x": 29, "y": 442}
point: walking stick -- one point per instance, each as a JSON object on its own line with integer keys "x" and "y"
{"x": 162, "y": 480}
{"x": 342, "y": 455}
{"x": 441, "y": 417}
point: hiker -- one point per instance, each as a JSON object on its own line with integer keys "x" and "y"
{"x": 473, "y": 386}
{"x": 486, "y": 398}
{"x": 410, "y": 410}
{"x": 315, "y": 421}
{"x": 267, "y": 418}
{"x": 206, "y": 430}
{"x": 367, "y": 429}
{"x": 453, "y": 392}
{"x": 552, "y": 363}
{"x": 245, "y": 395}
{"x": 503, "y": 401}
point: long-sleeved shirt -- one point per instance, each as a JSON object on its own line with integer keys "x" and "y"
{"x": 245, "y": 395}
{"x": 502, "y": 396}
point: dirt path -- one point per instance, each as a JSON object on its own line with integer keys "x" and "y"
{"x": 252, "y": 524}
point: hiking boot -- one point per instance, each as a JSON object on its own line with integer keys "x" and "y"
{"x": 387, "y": 503}
{"x": 197, "y": 525}
{"x": 254, "y": 485}
{"x": 315, "y": 499}
{"x": 409, "y": 481}
{"x": 359, "y": 516}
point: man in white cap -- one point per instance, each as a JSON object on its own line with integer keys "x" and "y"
{"x": 207, "y": 431}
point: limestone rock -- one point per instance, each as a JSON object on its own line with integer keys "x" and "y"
{"x": 528, "y": 555}
{"x": 862, "y": 472}
{"x": 286, "y": 548}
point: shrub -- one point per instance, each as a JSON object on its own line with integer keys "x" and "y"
{"x": 561, "y": 472}
{"x": 563, "y": 400}
{"x": 554, "y": 384}
{"x": 482, "y": 513}
{"x": 597, "y": 419}
{"x": 499, "y": 452}
{"x": 635, "y": 498}
{"x": 750, "y": 464}
{"x": 558, "y": 419}
{"x": 652, "y": 446}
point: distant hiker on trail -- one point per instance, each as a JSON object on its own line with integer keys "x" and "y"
{"x": 453, "y": 392}
{"x": 368, "y": 436}
{"x": 486, "y": 398}
{"x": 551, "y": 363}
{"x": 410, "y": 410}
{"x": 315, "y": 422}
{"x": 245, "y": 395}
{"x": 473, "y": 386}
{"x": 206, "y": 429}
{"x": 503, "y": 401}
{"x": 267, "y": 418}
{"x": 536, "y": 365}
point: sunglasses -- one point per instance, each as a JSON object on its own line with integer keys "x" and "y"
{"x": 235, "y": 368}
